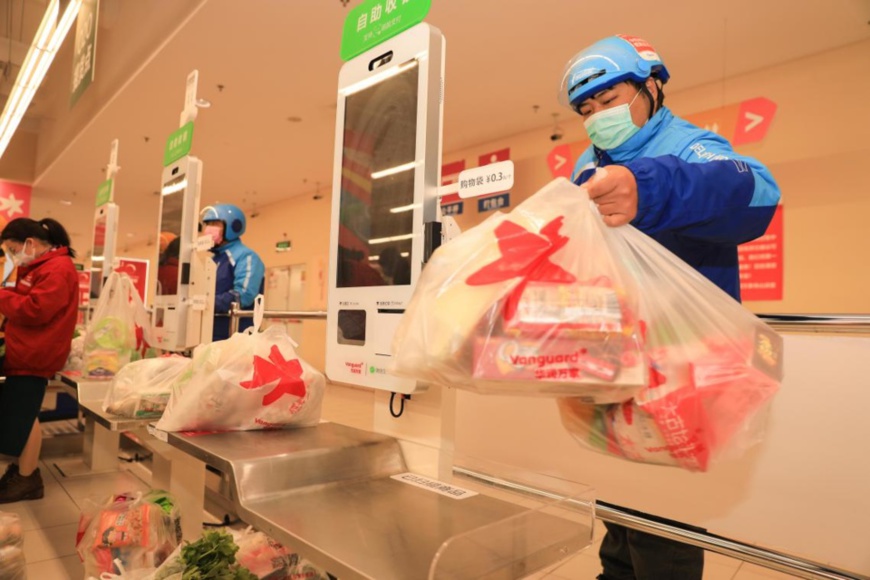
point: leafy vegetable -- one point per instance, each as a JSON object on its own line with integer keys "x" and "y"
{"x": 213, "y": 557}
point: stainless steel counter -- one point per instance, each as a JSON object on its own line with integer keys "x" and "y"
{"x": 111, "y": 422}
{"x": 327, "y": 492}
{"x": 84, "y": 389}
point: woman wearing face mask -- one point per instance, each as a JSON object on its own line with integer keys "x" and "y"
{"x": 680, "y": 184}
{"x": 40, "y": 313}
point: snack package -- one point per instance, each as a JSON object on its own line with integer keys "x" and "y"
{"x": 119, "y": 331}
{"x": 130, "y": 532}
{"x": 249, "y": 381}
{"x": 269, "y": 560}
{"x": 141, "y": 389}
{"x": 533, "y": 302}
{"x": 12, "y": 563}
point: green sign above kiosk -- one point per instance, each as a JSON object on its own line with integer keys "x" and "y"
{"x": 178, "y": 144}
{"x": 374, "y": 21}
{"x": 104, "y": 192}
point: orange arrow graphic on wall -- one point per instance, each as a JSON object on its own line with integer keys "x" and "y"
{"x": 753, "y": 120}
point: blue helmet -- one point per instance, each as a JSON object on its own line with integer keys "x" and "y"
{"x": 607, "y": 62}
{"x": 232, "y": 216}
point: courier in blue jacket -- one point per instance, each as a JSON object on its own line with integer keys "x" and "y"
{"x": 240, "y": 271}
{"x": 680, "y": 184}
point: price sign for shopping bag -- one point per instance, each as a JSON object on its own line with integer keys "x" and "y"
{"x": 492, "y": 178}
{"x": 434, "y": 485}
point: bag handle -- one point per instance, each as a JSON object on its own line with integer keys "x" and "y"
{"x": 259, "y": 310}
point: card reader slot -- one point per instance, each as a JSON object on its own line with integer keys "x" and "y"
{"x": 391, "y": 310}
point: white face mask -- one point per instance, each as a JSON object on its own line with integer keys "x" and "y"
{"x": 22, "y": 258}
{"x": 610, "y": 128}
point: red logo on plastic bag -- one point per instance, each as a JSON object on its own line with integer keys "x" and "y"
{"x": 276, "y": 368}
{"x": 524, "y": 254}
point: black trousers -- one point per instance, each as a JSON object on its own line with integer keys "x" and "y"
{"x": 20, "y": 401}
{"x": 628, "y": 554}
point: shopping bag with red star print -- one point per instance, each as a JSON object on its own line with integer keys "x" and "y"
{"x": 530, "y": 302}
{"x": 249, "y": 381}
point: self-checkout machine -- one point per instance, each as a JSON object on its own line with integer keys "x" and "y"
{"x": 183, "y": 307}
{"x": 385, "y": 223}
{"x": 100, "y": 443}
{"x": 384, "y": 210}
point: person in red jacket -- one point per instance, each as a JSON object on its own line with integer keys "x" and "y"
{"x": 40, "y": 314}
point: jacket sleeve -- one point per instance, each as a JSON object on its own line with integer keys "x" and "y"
{"x": 48, "y": 295}
{"x": 248, "y": 274}
{"x": 706, "y": 192}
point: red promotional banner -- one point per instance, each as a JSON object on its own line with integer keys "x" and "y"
{"x": 761, "y": 263}
{"x": 562, "y": 157}
{"x": 753, "y": 120}
{"x": 494, "y": 156}
{"x": 137, "y": 270}
{"x": 560, "y": 161}
{"x": 14, "y": 201}
{"x": 450, "y": 171}
{"x": 84, "y": 292}
{"x": 450, "y": 174}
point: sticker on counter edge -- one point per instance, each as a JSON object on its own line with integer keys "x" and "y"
{"x": 157, "y": 433}
{"x": 434, "y": 485}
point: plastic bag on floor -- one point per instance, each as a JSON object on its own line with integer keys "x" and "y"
{"x": 128, "y": 535}
{"x": 141, "y": 389}
{"x": 119, "y": 331}
{"x": 533, "y": 302}
{"x": 12, "y": 563}
{"x": 269, "y": 560}
{"x": 249, "y": 381}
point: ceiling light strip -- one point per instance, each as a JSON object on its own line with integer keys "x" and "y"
{"x": 42, "y": 51}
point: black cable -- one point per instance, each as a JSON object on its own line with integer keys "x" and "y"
{"x": 225, "y": 523}
{"x": 401, "y": 407}
{"x": 136, "y": 458}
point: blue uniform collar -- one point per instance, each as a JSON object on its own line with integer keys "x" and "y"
{"x": 226, "y": 246}
{"x": 633, "y": 148}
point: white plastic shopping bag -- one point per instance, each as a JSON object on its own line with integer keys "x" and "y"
{"x": 527, "y": 303}
{"x": 252, "y": 380}
{"x": 119, "y": 331}
{"x": 141, "y": 389}
{"x": 650, "y": 361}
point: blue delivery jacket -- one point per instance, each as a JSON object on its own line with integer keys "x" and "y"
{"x": 696, "y": 196}
{"x": 240, "y": 277}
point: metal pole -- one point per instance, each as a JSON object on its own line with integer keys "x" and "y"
{"x": 830, "y": 323}
{"x": 283, "y": 314}
{"x": 772, "y": 559}
{"x": 234, "y": 317}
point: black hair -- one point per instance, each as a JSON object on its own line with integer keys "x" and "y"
{"x": 47, "y": 230}
{"x": 173, "y": 249}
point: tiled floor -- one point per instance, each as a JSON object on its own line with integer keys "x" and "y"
{"x": 50, "y": 524}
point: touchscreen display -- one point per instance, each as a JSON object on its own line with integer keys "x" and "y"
{"x": 99, "y": 248}
{"x": 170, "y": 236}
{"x": 377, "y": 182}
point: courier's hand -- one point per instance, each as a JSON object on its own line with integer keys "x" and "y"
{"x": 614, "y": 191}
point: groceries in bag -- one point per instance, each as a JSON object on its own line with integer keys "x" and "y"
{"x": 141, "y": 389}
{"x": 528, "y": 303}
{"x": 248, "y": 381}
